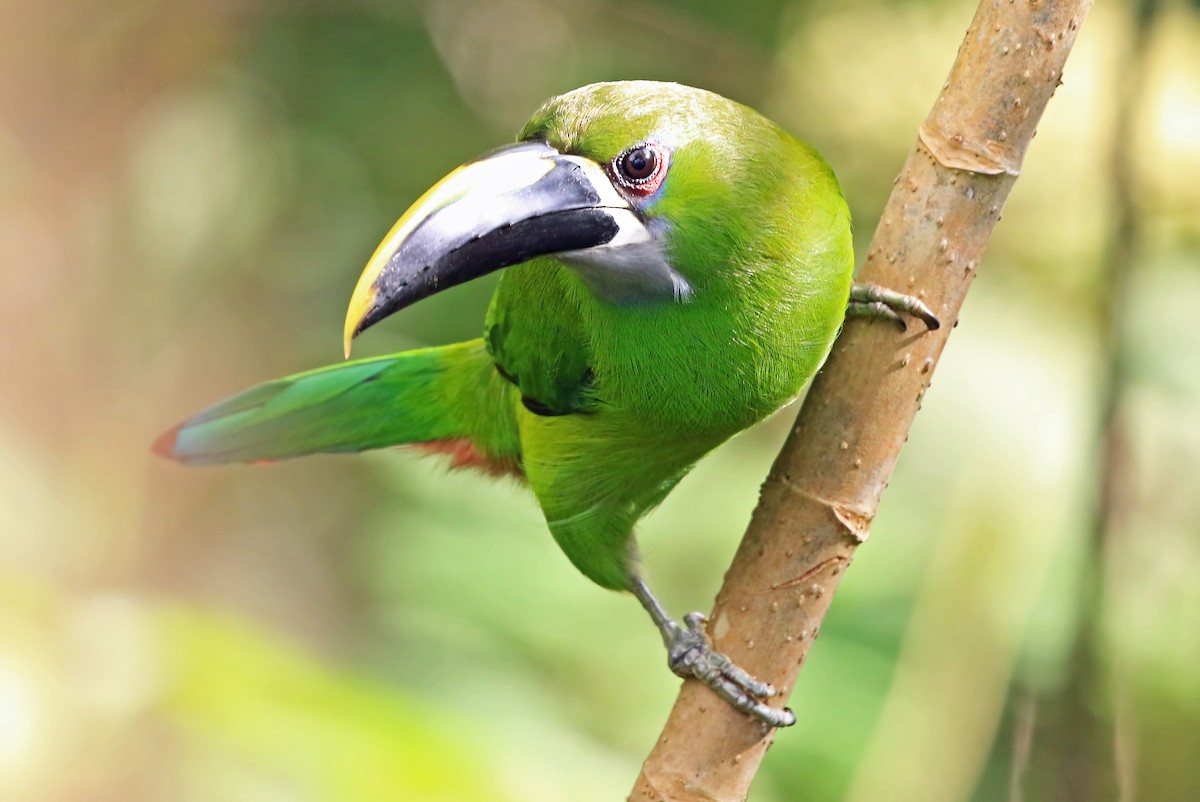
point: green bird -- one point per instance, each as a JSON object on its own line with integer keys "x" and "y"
{"x": 677, "y": 268}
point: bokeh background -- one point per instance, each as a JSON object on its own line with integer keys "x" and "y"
{"x": 188, "y": 191}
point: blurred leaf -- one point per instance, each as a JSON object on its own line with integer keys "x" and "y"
{"x": 333, "y": 736}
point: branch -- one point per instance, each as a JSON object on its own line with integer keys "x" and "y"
{"x": 824, "y": 488}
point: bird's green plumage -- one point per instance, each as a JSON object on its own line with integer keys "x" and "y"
{"x": 433, "y": 394}
{"x": 632, "y": 392}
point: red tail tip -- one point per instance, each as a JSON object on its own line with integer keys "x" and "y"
{"x": 164, "y": 446}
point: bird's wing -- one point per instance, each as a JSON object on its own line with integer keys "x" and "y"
{"x": 536, "y": 336}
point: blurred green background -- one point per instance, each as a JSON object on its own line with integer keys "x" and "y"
{"x": 188, "y": 191}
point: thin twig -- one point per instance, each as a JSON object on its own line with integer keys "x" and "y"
{"x": 1088, "y": 739}
{"x": 1022, "y": 746}
{"x": 823, "y": 491}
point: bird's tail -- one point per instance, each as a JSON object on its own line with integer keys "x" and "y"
{"x": 448, "y": 399}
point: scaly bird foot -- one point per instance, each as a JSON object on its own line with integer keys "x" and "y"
{"x": 691, "y": 655}
{"x": 874, "y": 302}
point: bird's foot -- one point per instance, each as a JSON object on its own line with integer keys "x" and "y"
{"x": 690, "y": 655}
{"x": 879, "y": 303}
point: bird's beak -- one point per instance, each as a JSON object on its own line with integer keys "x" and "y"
{"x": 519, "y": 202}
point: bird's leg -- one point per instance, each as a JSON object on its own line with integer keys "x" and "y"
{"x": 690, "y": 655}
{"x": 875, "y": 302}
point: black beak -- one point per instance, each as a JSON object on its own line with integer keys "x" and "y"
{"x": 519, "y": 202}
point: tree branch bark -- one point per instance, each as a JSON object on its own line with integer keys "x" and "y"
{"x": 824, "y": 488}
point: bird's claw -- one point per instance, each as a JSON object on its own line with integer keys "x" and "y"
{"x": 873, "y": 301}
{"x": 690, "y": 655}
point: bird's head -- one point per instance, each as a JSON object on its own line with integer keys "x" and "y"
{"x": 644, "y": 189}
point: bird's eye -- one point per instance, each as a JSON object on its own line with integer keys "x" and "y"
{"x": 641, "y": 169}
{"x": 639, "y": 164}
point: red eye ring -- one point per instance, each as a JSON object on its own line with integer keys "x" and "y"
{"x": 641, "y": 168}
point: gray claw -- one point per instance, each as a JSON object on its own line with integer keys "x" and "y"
{"x": 875, "y": 310}
{"x": 690, "y": 655}
{"x": 873, "y": 301}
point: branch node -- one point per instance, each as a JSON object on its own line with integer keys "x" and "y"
{"x": 854, "y": 522}
{"x": 954, "y": 151}
{"x": 857, "y": 523}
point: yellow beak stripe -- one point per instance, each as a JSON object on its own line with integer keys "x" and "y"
{"x": 511, "y": 171}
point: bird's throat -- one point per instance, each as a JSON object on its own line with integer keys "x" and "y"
{"x": 629, "y": 273}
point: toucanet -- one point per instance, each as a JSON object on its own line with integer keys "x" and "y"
{"x": 676, "y": 267}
